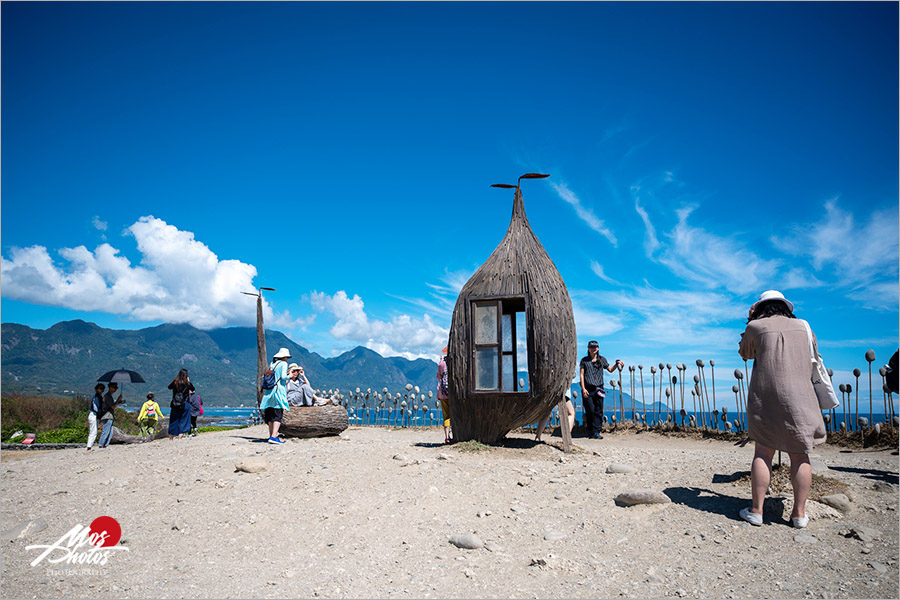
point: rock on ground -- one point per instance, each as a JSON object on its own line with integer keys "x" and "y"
{"x": 838, "y": 501}
{"x": 642, "y": 496}
{"x": 469, "y": 541}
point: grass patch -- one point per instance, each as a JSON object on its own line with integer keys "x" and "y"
{"x": 471, "y": 446}
{"x": 781, "y": 483}
{"x": 211, "y": 428}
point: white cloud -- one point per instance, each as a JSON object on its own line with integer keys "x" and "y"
{"x": 179, "y": 279}
{"x": 651, "y": 242}
{"x": 98, "y": 224}
{"x": 597, "y": 268}
{"x": 401, "y": 336}
{"x": 797, "y": 278}
{"x": 678, "y": 318}
{"x": 860, "y": 259}
{"x": 443, "y": 295}
{"x": 591, "y": 323}
{"x": 714, "y": 260}
{"x": 589, "y": 218}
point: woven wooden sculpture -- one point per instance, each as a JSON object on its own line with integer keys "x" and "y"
{"x": 487, "y": 399}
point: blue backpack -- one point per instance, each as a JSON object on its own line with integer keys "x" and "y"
{"x": 268, "y": 380}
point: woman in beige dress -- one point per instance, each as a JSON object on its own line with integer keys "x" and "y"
{"x": 782, "y": 409}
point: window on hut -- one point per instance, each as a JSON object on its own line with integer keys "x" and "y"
{"x": 499, "y": 336}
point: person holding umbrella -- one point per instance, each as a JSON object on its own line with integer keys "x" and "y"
{"x": 108, "y": 413}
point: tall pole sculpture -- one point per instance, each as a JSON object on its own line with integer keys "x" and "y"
{"x": 260, "y": 343}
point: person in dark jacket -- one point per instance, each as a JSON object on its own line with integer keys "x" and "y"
{"x": 196, "y": 411}
{"x": 108, "y": 413}
{"x": 180, "y": 415}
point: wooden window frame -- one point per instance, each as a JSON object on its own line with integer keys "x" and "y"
{"x": 506, "y": 305}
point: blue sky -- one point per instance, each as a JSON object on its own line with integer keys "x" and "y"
{"x": 160, "y": 158}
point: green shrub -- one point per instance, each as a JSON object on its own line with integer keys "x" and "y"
{"x": 62, "y": 436}
{"x": 12, "y": 426}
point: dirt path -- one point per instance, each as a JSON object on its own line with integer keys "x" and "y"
{"x": 369, "y": 515}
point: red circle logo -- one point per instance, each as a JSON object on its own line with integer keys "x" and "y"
{"x": 110, "y": 527}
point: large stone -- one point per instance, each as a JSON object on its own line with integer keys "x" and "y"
{"x": 23, "y": 529}
{"x": 805, "y": 538}
{"x": 469, "y": 541}
{"x": 816, "y": 511}
{"x": 642, "y": 496}
{"x": 884, "y": 486}
{"x": 252, "y": 464}
{"x": 878, "y": 567}
{"x": 865, "y": 534}
{"x": 620, "y": 468}
{"x": 838, "y": 501}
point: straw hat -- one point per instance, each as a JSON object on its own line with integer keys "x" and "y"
{"x": 293, "y": 366}
{"x": 283, "y": 353}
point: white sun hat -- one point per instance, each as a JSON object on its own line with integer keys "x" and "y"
{"x": 283, "y": 353}
{"x": 774, "y": 295}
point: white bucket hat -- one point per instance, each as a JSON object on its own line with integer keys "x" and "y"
{"x": 283, "y": 353}
{"x": 774, "y": 295}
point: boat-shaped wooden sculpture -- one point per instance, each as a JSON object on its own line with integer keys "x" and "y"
{"x": 517, "y": 288}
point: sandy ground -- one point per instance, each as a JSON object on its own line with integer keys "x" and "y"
{"x": 369, "y": 514}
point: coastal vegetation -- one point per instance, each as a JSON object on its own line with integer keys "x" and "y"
{"x": 54, "y": 420}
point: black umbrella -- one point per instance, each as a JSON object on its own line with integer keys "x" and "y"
{"x": 121, "y": 376}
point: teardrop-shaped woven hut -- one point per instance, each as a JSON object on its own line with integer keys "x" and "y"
{"x": 517, "y": 287}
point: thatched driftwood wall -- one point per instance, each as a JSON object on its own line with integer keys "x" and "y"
{"x": 519, "y": 266}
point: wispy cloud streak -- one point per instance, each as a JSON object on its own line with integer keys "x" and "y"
{"x": 586, "y": 215}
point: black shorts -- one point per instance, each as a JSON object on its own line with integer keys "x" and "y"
{"x": 273, "y": 414}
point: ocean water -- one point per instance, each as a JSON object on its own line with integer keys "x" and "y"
{"x": 236, "y": 416}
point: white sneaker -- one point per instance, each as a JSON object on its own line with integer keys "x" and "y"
{"x": 800, "y": 522}
{"x": 750, "y": 517}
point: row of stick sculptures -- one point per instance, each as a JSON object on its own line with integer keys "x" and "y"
{"x": 667, "y": 392}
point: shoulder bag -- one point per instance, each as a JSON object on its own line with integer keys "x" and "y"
{"x": 820, "y": 378}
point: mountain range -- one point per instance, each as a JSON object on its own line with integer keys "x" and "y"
{"x": 68, "y": 357}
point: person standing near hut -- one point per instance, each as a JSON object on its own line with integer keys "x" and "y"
{"x": 782, "y": 410}
{"x": 569, "y": 420}
{"x": 592, "y": 390}
{"x": 274, "y": 400}
{"x": 443, "y": 393}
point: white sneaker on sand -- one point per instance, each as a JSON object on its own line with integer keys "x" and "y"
{"x": 752, "y": 518}
{"x": 800, "y": 522}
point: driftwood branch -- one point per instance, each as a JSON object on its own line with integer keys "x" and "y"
{"x": 314, "y": 421}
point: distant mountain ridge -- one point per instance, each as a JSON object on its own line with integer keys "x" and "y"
{"x": 69, "y": 356}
